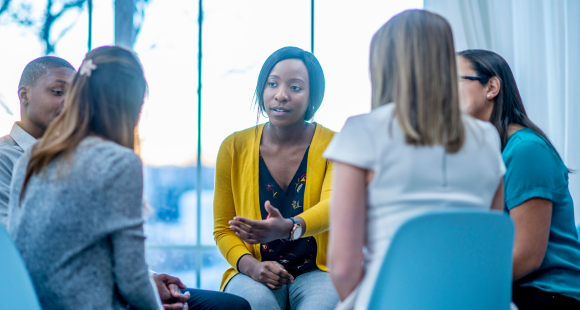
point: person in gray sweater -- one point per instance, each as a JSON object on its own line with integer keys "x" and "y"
{"x": 87, "y": 250}
{"x": 79, "y": 229}
{"x": 75, "y": 208}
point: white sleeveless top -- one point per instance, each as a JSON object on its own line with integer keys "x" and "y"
{"x": 409, "y": 180}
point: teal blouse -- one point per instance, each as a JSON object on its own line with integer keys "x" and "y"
{"x": 535, "y": 170}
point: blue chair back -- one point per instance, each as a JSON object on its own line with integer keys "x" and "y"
{"x": 578, "y": 231}
{"x": 452, "y": 259}
{"x": 16, "y": 289}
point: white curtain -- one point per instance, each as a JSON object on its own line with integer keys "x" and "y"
{"x": 540, "y": 39}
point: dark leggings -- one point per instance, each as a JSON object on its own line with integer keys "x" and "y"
{"x": 211, "y": 300}
{"x": 528, "y": 298}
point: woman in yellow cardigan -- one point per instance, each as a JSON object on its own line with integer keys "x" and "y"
{"x": 272, "y": 192}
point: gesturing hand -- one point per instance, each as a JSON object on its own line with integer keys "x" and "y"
{"x": 261, "y": 231}
{"x": 168, "y": 288}
{"x": 272, "y": 274}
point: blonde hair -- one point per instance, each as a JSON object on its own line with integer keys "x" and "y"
{"x": 412, "y": 63}
{"x": 106, "y": 102}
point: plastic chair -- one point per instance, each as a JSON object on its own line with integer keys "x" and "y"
{"x": 452, "y": 259}
{"x": 578, "y": 231}
{"x": 16, "y": 289}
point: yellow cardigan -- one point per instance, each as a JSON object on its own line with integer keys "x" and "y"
{"x": 237, "y": 194}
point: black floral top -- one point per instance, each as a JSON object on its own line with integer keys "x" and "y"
{"x": 297, "y": 256}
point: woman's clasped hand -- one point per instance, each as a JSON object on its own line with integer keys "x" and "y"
{"x": 270, "y": 273}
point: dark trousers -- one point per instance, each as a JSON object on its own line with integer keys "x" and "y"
{"x": 211, "y": 300}
{"x": 528, "y": 298}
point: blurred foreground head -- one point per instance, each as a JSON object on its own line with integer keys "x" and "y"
{"x": 105, "y": 100}
{"x": 412, "y": 64}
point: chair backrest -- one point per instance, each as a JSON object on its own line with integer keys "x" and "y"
{"x": 16, "y": 289}
{"x": 578, "y": 231}
{"x": 452, "y": 259}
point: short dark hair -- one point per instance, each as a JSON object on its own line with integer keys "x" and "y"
{"x": 39, "y": 66}
{"x": 315, "y": 76}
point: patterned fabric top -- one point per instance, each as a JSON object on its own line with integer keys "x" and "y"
{"x": 297, "y": 256}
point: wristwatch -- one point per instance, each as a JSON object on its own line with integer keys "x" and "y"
{"x": 296, "y": 230}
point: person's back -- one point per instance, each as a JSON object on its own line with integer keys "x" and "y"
{"x": 70, "y": 227}
{"x": 415, "y": 152}
{"x": 411, "y": 179}
{"x": 76, "y": 197}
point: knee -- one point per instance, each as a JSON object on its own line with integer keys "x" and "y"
{"x": 257, "y": 295}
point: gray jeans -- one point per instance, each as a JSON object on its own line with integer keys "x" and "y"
{"x": 311, "y": 291}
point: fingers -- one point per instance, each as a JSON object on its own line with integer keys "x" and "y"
{"x": 176, "y": 281}
{"x": 244, "y": 220}
{"x": 250, "y": 239}
{"x": 272, "y": 211}
{"x": 272, "y": 283}
{"x": 283, "y": 273}
{"x": 268, "y": 278}
{"x": 242, "y": 226}
{"x": 252, "y": 230}
{"x": 248, "y": 234}
{"x": 273, "y": 287}
{"x": 174, "y": 289}
{"x": 247, "y": 224}
{"x": 175, "y": 306}
{"x": 162, "y": 289}
{"x": 272, "y": 280}
{"x": 159, "y": 279}
{"x": 280, "y": 273}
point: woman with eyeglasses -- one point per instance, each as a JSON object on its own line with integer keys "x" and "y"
{"x": 546, "y": 257}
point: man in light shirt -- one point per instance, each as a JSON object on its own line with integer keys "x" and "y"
{"x": 42, "y": 89}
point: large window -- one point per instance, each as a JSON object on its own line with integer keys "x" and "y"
{"x": 238, "y": 36}
{"x": 167, "y": 45}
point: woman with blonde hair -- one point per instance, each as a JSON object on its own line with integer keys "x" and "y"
{"x": 415, "y": 152}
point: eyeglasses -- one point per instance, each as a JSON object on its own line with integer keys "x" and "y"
{"x": 472, "y": 78}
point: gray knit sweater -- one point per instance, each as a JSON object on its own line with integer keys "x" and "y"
{"x": 79, "y": 229}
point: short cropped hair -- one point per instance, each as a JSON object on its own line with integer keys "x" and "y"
{"x": 315, "y": 76}
{"x": 40, "y": 66}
